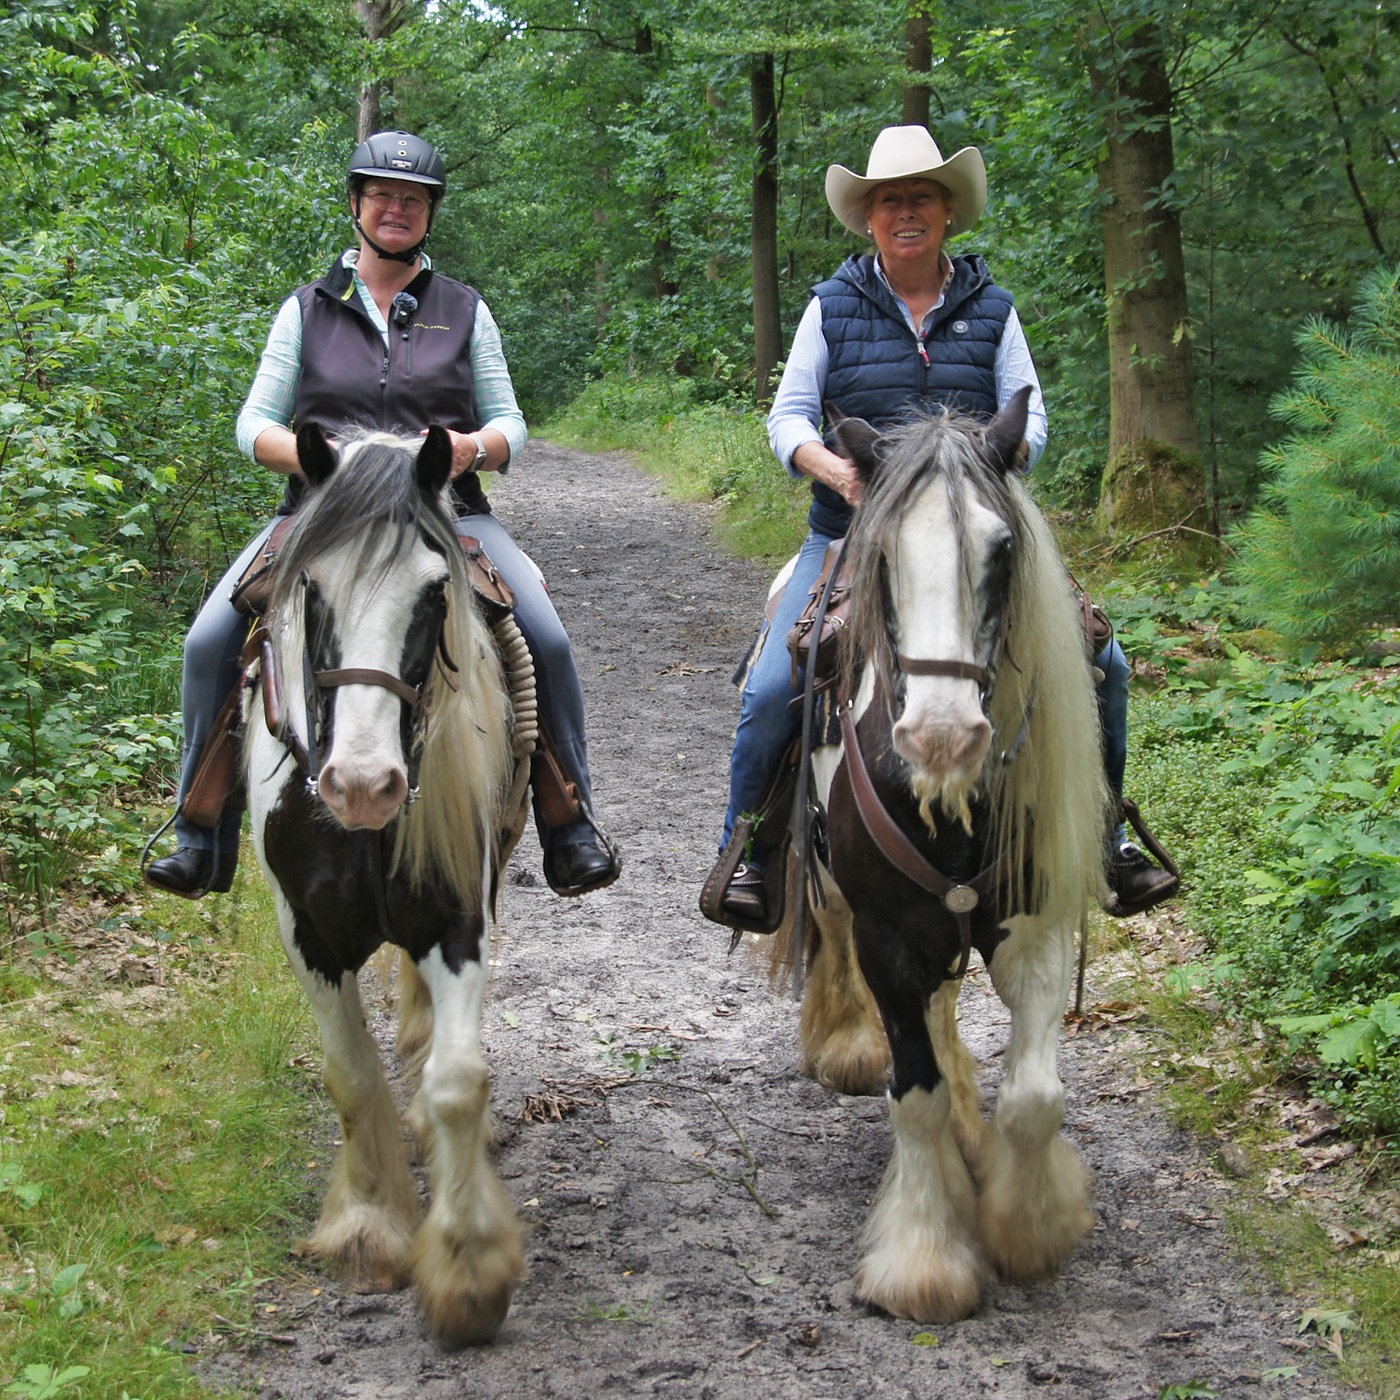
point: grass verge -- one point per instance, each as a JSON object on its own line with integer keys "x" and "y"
{"x": 154, "y": 1130}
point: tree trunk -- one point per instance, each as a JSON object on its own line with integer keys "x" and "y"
{"x": 1149, "y": 343}
{"x": 380, "y": 19}
{"x": 767, "y": 324}
{"x": 918, "y": 59}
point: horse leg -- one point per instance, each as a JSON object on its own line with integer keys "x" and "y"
{"x": 921, "y": 1258}
{"x": 1034, "y": 1204}
{"x": 411, "y": 1042}
{"x": 370, "y": 1212}
{"x": 843, "y": 1043}
{"x": 467, "y": 1257}
{"x": 965, "y": 1120}
{"x": 415, "y": 1028}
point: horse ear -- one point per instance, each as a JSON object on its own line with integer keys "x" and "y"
{"x": 855, "y": 439}
{"x": 1006, "y": 433}
{"x": 434, "y": 466}
{"x": 315, "y": 455}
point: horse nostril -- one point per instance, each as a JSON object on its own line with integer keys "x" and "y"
{"x": 942, "y": 748}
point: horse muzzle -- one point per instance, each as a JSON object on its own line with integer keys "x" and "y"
{"x": 361, "y": 794}
{"x": 943, "y": 750}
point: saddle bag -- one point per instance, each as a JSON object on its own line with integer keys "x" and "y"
{"x": 800, "y": 641}
{"x": 249, "y": 594}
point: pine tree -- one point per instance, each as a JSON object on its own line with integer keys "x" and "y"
{"x": 1320, "y": 557}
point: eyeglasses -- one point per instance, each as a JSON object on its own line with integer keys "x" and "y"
{"x": 410, "y": 203}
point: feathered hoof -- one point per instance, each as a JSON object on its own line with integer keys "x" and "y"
{"x": 1032, "y": 1217}
{"x": 912, "y": 1284}
{"x": 464, "y": 1289}
{"x": 855, "y": 1063}
{"x": 368, "y": 1259}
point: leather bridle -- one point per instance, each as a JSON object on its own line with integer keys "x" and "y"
{"x": 308, "y": 751}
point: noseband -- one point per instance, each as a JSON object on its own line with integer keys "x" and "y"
{"x": 958, "y": 670}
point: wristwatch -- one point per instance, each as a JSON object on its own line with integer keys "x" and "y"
{"x": 480, "y": 457}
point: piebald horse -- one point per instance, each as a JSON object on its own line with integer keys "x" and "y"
{"x": 382, "y": 785}
{"x": 965, "y": 810}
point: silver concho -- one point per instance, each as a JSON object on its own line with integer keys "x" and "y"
{"x": 961, "y": 899}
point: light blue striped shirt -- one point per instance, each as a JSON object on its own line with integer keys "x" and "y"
{"x": 796, "y": 414}
{"x": 272, "y": 397}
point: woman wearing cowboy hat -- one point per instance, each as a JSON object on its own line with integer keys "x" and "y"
{"x": 907, "y": 329}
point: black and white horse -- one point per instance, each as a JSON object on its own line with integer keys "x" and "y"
{"x": 381, "y": 783}
{"x": 966, "y": 811}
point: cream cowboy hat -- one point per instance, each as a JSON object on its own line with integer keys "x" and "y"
{"x": 909, "y": 153}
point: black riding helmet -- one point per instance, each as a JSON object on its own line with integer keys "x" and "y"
{"x": 396, "y": 155}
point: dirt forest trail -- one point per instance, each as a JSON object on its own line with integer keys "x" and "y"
{"x": 692, "y": 1205}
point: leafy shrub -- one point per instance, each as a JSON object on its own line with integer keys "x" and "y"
{"x": 1286, "y": 783}
{"x": 1321, "y": 557}
{"x": 126, "y": 237}
{"x": 1278, "y": 786}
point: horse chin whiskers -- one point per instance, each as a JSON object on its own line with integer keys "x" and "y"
{"x": 943, "y": 798}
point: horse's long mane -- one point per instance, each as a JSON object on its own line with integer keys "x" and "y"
{"x": 369, "y": 514}
{"x": 1042, "y": 670}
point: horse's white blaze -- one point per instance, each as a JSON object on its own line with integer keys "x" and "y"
{"x": 364, "y": 777}
{"x": 941, "y": 732}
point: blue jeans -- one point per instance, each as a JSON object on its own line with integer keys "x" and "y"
{"x": 769, "y": 722}
{"x": 1113, "y": 717}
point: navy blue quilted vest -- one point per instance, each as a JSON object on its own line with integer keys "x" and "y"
{"x": 877, "y": 369}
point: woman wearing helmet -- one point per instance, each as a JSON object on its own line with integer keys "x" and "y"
{"x": 383, "y": 340}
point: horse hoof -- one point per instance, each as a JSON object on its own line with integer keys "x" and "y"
{"x": 464, "y": 1288}
{"x": 932, "y": 1292}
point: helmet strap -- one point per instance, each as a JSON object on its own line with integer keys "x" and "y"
{"x": 409, "y": 255}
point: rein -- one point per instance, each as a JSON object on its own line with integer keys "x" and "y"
{"x": 960, "y": 898}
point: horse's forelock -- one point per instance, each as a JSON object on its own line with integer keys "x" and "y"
{"x": 370, "y": 506}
